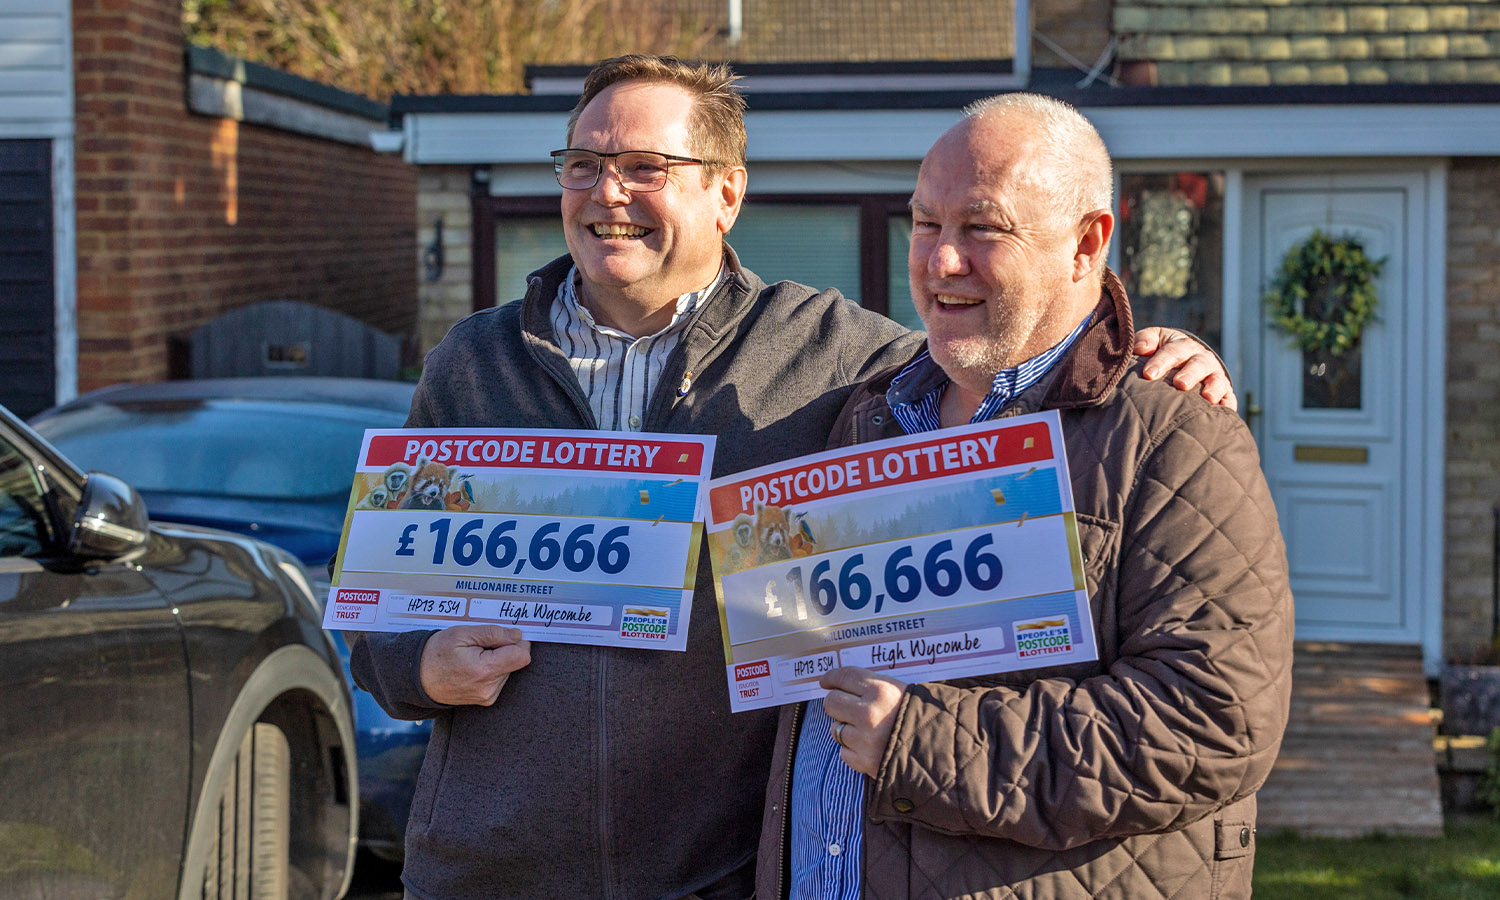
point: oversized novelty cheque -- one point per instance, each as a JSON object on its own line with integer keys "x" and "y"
{"x": 586, "y": 537}
{"x": 934, "y": 556}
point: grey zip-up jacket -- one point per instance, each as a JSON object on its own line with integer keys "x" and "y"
{"x": 608, "y": 772}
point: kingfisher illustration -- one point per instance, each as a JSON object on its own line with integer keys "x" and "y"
{"x": 802, "y": 542}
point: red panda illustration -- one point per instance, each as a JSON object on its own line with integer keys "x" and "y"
{"x": 429, "y": 486}
{"x": 772, "y": 534}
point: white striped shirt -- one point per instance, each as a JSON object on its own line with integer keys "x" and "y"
{"x": 617, "y": 371}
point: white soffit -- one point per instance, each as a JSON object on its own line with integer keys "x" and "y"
{"x": 572, "y": 86}
{"x": 1156, "y": 132}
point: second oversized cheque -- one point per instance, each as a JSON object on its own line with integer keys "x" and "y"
{"x": 934, "y": 556}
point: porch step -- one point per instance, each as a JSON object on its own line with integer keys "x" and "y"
{"x": 1358, "y": 754}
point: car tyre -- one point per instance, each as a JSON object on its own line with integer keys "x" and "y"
{"x": 250, "y": 858}
{"x": 276, "y": 811}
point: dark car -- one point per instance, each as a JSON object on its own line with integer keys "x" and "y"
{"x": 272, "y": 458}
{"x": 173, "y": 723}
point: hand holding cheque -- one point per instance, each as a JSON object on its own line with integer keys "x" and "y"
{"x": 470, "y": 663}
{"x": 863, "y": 707}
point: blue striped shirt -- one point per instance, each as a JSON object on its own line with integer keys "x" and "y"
{"x": 827, "y": 808}
{"x": 917, "y": 392}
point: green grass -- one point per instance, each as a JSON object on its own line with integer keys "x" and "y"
{"x": 1462, "y": 865}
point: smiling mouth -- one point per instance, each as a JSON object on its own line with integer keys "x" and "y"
{"x": 948, "y": 301}
{"x": 619, "y": 231}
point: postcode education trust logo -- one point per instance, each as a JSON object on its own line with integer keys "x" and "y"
{"x": 1043, "y": 637}
{"x": 752, "y": 671}
{"x": 646, "y": 623}
{"x": 347, "y": 595}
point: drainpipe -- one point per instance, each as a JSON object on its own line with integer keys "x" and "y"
{"x": 1495, "y": 583}
{"x": 736, "y": 20}
{"x": 1023, "y": 41}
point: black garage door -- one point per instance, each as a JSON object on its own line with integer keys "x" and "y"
{"x": 27, "y": 282}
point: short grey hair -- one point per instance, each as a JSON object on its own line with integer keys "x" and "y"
{"x": 1080, "y": 177}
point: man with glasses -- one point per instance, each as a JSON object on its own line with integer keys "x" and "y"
{"x": 604, "y": 772}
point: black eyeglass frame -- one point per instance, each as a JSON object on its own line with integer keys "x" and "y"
{"x": 557, "y": 164}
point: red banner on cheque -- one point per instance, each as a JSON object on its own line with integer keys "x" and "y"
{"x": 888, "y": 467}
{"x": 590, "y": 453}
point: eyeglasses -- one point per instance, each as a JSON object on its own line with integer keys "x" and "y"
{"x": 638, "y": 170}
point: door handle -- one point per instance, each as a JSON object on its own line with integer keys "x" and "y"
{"x": 1252, "y": 409}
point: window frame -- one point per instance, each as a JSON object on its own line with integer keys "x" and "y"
{"x": 874, "y": 249}
{"x": 60, "y": 488}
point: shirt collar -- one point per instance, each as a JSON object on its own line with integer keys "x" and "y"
{"x": 915, "y": 393}
{"x": 687, "y": 304}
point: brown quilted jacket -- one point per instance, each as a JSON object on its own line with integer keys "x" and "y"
{"x": 1132, "y": 777}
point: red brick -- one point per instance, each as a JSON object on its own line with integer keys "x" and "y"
{"x": 318, "y": 221}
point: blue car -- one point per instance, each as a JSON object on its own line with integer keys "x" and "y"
{"x": 272, "y": 458}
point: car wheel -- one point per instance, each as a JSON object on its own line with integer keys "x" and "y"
{"x": 250, "y": 858}
{"x": 275, "y": 816}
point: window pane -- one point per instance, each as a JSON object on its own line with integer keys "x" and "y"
{"x": 898, "y": 239}
{"x": 218, "y": 448}
{"x": 1171, "y": 250}
{"x": 816, "y": 245}
{"x": 23, "y": 515}
{"x": 1331, "y": 381}
{"x": 523, "y": 245}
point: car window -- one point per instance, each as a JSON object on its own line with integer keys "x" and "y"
{"x": 242, "y": 449}
{"x": 24, "y": 529}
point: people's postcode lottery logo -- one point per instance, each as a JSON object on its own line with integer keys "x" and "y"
{"x": 1043, "y": 637}
{"x": 648, "y": 623}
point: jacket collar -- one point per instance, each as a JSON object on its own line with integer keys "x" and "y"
{"x": 1101, "y": 357}
{"x": 1086, "y": 376}
{"x": 717, "y": 312}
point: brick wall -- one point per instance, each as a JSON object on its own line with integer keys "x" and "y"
{"x": 1473, "y": 392}
{"x": 443, "y": 191}
{"x": 181, "y": 217}
{"x": 1308, "y": 41}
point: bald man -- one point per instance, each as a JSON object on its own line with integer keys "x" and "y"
{"x": 1132, "y": 776}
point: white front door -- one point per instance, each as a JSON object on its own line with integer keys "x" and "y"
{"x": 1342, "y": 439}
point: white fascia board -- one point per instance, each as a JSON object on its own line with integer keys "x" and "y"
{"x": 37, "y": 128}
{"x": 1275, "y": 131}
{"x": 810, "y": 135}
{"x": 37, "y": 7}
{"x": 387, "y": 141}
{"x": 1156, "y": 132}
{"x": 831, "y": 82}
{"x": 220, "y": 97}
{"x": 914, "y": 81}
{"x": 448, "y": 138}
{"x": 800, "y": 135}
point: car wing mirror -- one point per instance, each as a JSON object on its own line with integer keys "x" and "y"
{"x": 111, "y": 521}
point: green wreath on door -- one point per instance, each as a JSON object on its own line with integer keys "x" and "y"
{"x": 1324, "y": 296}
